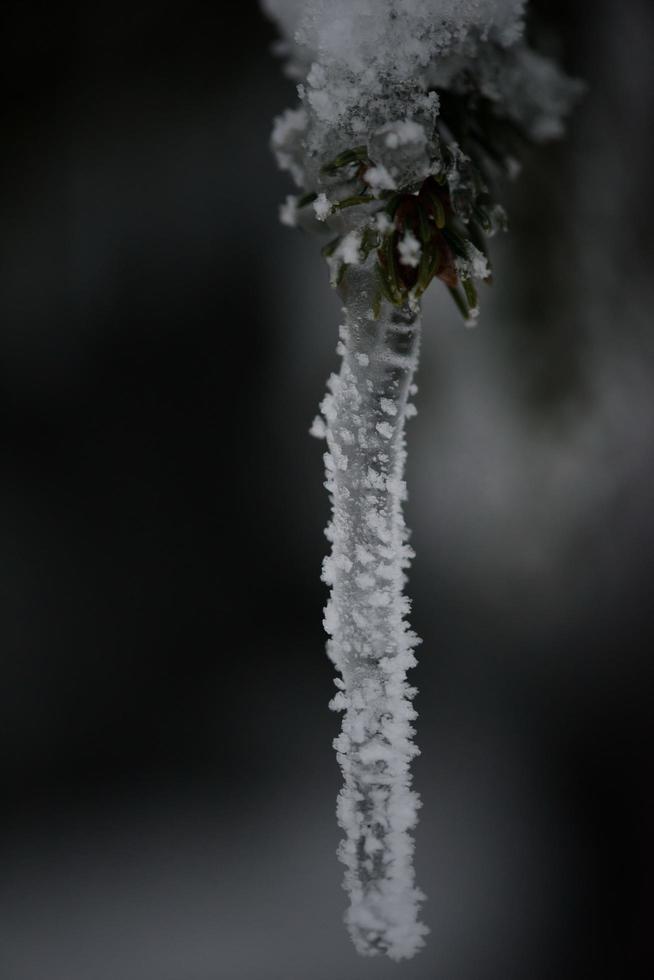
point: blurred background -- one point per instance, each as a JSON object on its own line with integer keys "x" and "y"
{"x": 167, "y": 767}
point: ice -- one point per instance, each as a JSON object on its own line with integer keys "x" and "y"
{"x": 370, "y": 640}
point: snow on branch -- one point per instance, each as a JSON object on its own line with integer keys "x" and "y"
{"x": 432, "y": 99}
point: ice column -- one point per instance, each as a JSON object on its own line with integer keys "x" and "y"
{"x": 370, "y": 643}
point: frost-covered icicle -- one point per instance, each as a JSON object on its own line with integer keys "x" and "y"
{"x": 405, "y": 127}
{"x": 370, "y": 642}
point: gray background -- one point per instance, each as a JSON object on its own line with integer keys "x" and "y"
{"x": 166, "y": 744}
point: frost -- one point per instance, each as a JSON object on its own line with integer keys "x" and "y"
{"x": 370, "y": 640}
{"x": 322, "y": 207}
{"x": 348, "y": 252}
{"x": 388, "y": 406}
{"x": 379, "y": 598}
{"x": 363, "y": 555}
{"x": 382, "y": 222}
{"x": 287, "y": 142}
{"x": 318, "y": 428}
{"x": 475, "y": 266}
{"x": 478, "y": 262}
{"x": 472, "y": 319}
{"x": 409, "y": 249}
{"x": 339, "y": 702}
{"x": 379, "y": 179}
{"x": 374, "y": 479}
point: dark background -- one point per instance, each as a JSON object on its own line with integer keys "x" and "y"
{"x": 166, "y": 745}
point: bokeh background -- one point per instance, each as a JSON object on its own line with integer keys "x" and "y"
{"x": 167, "y": 769}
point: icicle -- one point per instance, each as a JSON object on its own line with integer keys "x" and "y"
{"x": 370, "y": 641}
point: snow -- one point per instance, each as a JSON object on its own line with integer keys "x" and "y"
{"x": 349, "y": 249}
{"x": 379, "y": 179}
{"x": 322, "y": 207}
{"x": 382, "y": 222}
{"x": 364, "y": 67}
{"x": 348, "y": 252}
{"x": 366, "y": 36}
{"x": 368, "y": 71}
{"x": 409, "y": 249}
{"x": 404, "y": 132}
{"x": 478, "y": 262}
